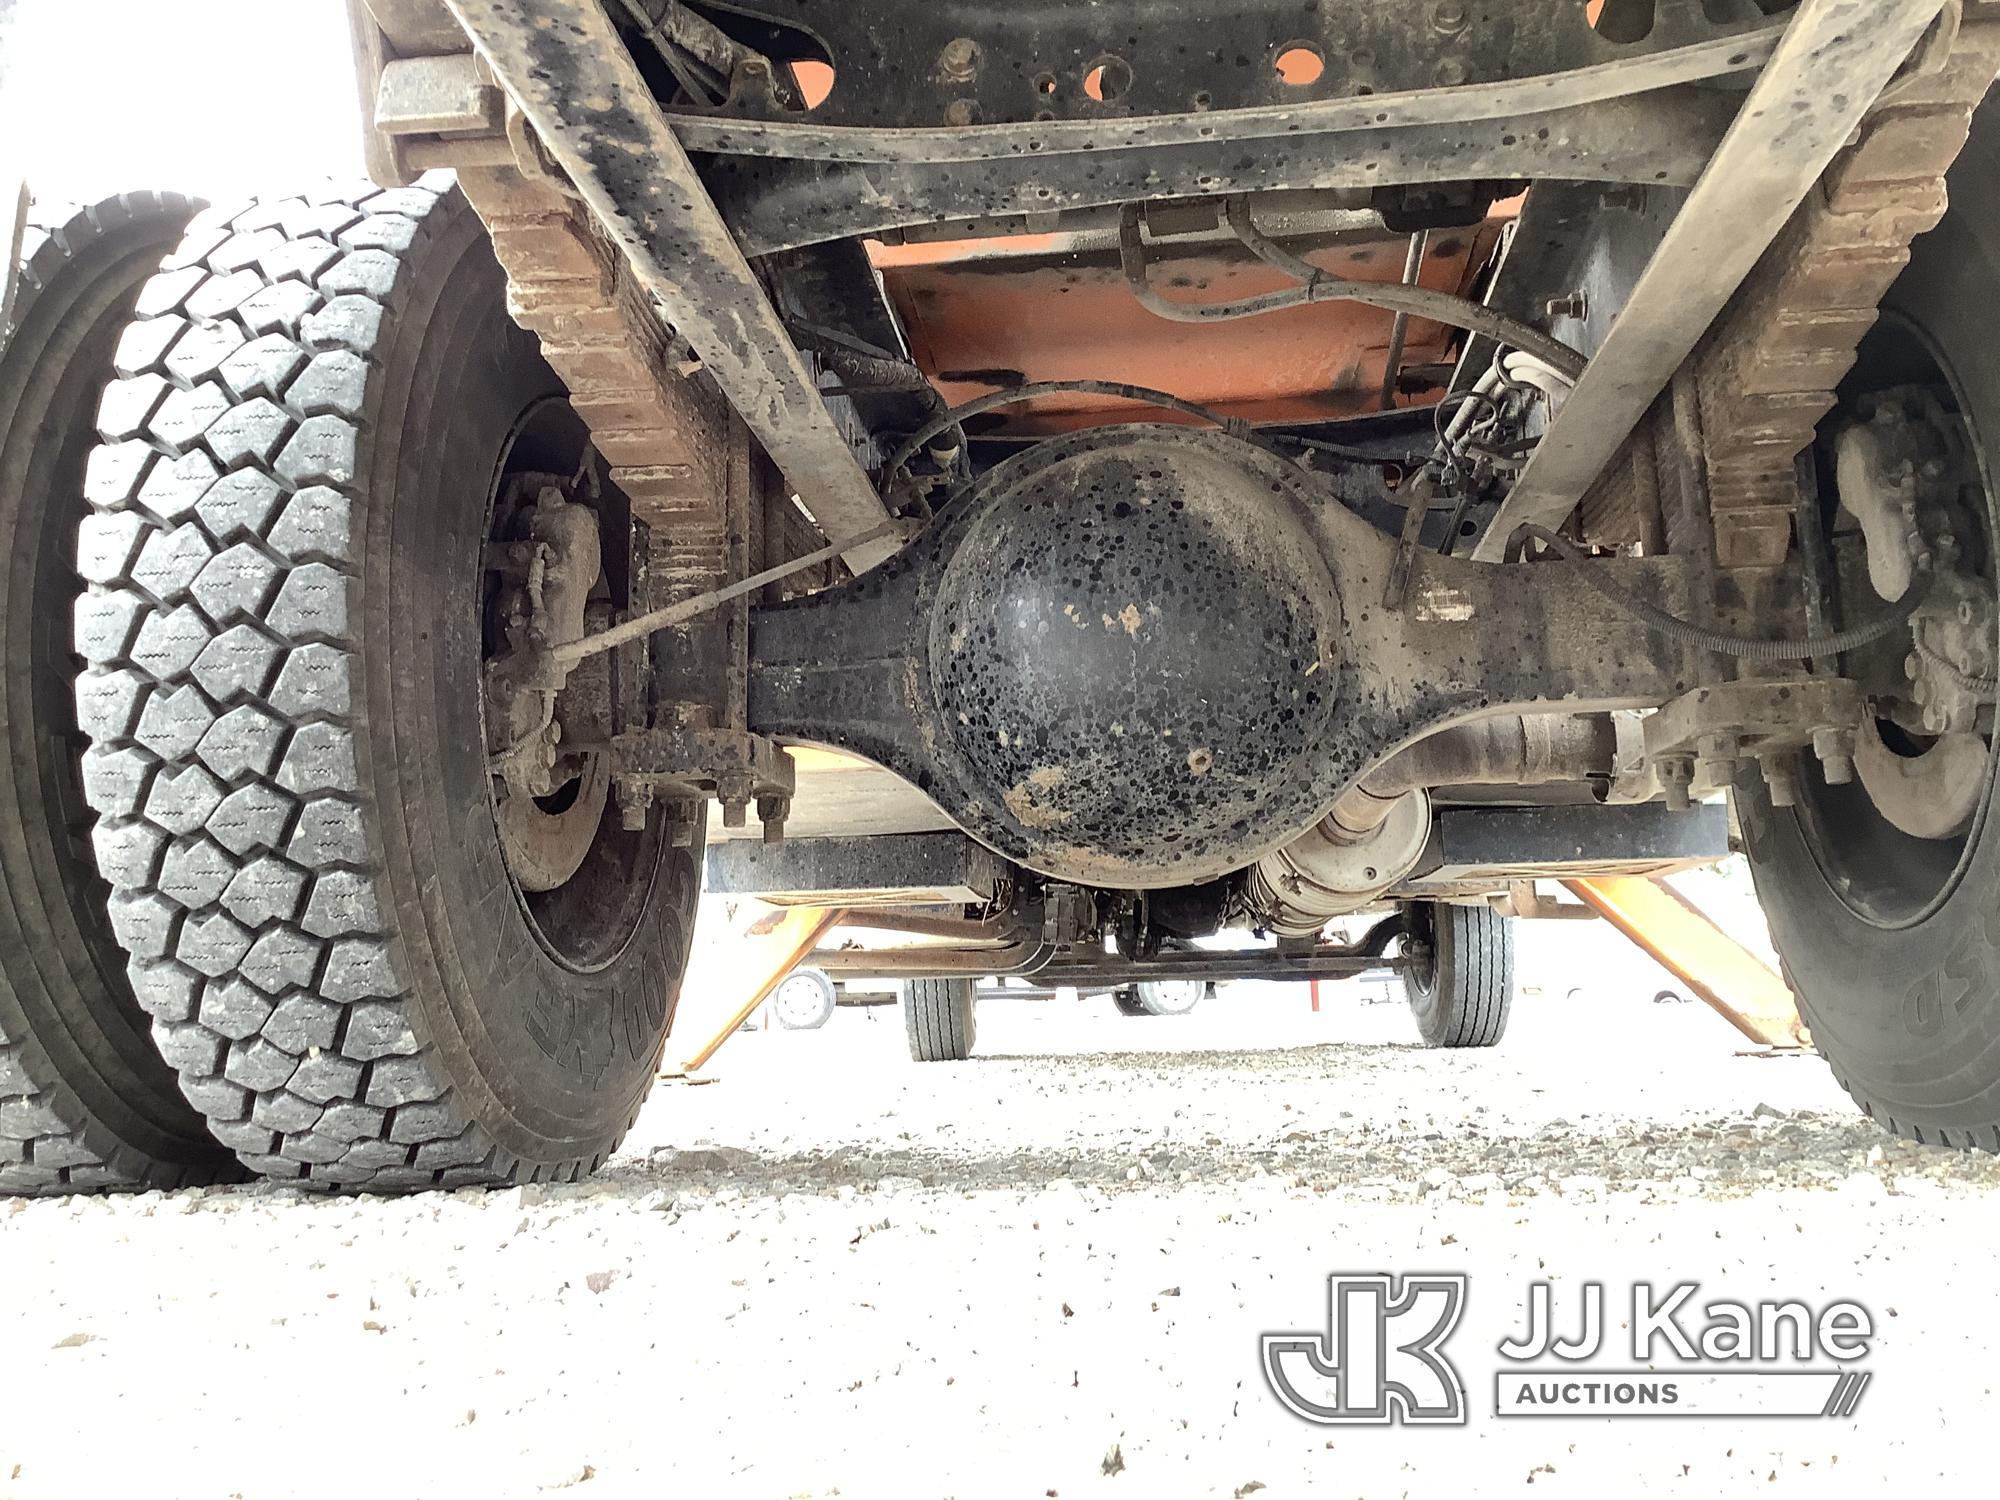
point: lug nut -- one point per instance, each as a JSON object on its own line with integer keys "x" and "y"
{"x": 682, "y": 820}
{"x": 1448, "y": 17}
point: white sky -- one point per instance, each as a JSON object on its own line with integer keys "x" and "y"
{"x": 213, "y": 97}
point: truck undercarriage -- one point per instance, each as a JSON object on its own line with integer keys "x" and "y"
{"x": 1085, "y": 482}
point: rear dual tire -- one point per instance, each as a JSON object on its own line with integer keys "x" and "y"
{"x": 85, "y": 1101}
{"x": 283, "y": 631}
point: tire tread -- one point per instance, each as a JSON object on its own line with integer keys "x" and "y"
{"x": 259, "y": 940}
{"x": 938, "y": 1015}
{"x": 51, "y": 1140}
{"x": 1471, "y": 992}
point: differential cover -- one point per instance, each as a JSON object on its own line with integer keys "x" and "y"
{"x": 1133, "y": 654}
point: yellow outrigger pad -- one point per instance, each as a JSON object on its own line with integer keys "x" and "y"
{"x": 770, "y": 950}
{"x": 1729, "y": 977}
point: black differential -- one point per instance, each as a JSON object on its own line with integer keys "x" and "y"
{"x": 1133, "y": 648}
{"x": 1143, "y": 657}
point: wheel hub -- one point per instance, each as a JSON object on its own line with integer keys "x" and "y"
{"x": 1908, "y": 476}
{"x": 546, "y": 723}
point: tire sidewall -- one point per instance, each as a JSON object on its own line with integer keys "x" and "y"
{"x": 552, "y": 1062}
{"x": 1429, "y": 989}
{"x": 1908, "y": 1016}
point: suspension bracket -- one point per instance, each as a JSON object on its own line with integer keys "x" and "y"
{"x": 1697, "y": 742}
{"x": 690, "y": 761}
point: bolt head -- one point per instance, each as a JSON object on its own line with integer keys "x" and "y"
{"x": 772, "y": 812}
{"x": 1717, "y": 770}
{"x": 635, "y": 801}
{"x": 1780, "y": 782}
{"x": 1675, "y": 773}
{"x": 1835, "y": 749}
{"x": 959, "y": 59}
{"x": 1448, "y": 17}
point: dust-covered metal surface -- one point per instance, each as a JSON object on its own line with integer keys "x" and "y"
{"x": 1129, "y": 695}
{"x": 1663, "y": 137}
{"x": 1832, "y": 64}
{"x": 1165, "y": 79}
{"x": 563, "y": 63}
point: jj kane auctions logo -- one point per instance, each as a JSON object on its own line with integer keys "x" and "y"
{"x": 1381, "y": 1356}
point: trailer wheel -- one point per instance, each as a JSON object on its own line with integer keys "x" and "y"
{"x": 292, "y": 579}
{"x": 85, "y": 1101}
{"x": 1126, "y": 1000}
{"x": 1888, "y": 925}
{"x": 1461, "y": 978}
{"x": 804, "y": 1000}
{"x": 938, "y": 1016}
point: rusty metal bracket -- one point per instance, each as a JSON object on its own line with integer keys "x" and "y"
{"x": 564, "y": 64}
{"x": 695, "y": 761}
{"x": 1829, "y": 68}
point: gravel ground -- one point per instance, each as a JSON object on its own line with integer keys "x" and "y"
{"x": 834, "y": 1272}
